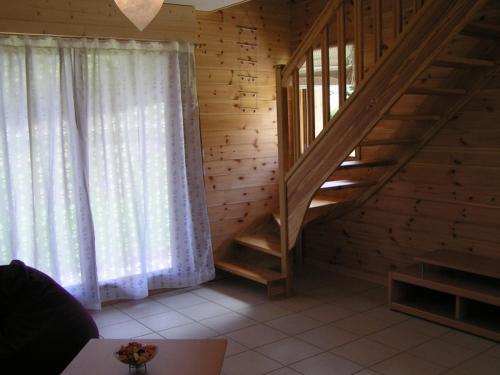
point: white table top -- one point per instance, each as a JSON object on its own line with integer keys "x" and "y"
{"x": 174, "y": 357}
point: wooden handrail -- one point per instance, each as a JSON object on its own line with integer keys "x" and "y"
{"x": 311, "y": 36}
{"x": 417, "y": 46}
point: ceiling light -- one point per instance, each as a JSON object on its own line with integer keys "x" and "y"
{"x": 140, "y": 12}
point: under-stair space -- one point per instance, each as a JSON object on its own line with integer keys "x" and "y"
{"x": 393, "y": 95}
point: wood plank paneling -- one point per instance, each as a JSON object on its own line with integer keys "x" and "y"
{"x": 240, "y": 148}
{"x": 94, "y": 19}
{"x": 447, "y": 197}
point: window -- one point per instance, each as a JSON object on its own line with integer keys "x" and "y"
{"x": 101, "y": 182}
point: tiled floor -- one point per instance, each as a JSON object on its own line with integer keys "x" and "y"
{"x": 334, "y": 325}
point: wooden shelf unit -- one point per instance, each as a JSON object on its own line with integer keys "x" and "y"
{"x": 451, "y": 288}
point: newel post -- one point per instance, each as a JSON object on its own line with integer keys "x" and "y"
{"x": 283, "y": 155}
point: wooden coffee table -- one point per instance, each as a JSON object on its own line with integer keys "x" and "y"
{"x": 174, "y": 357}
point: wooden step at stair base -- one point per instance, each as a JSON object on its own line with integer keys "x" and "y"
{"x": 274, "y": 281}
{"x": 345, "y": 184}
{"x": 437, "y": 91}
{"x": 353, "y": 164}
{"x": 462, "y": 62}
{"x": 263, "y": 242}
{"x": 463, "y": 262}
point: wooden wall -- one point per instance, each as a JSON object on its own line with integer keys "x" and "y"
{"x": 93, "y": 18}
{"x": 239, "y": 133}
{"x": 447, "y": 197}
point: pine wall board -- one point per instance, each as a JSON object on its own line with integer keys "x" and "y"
{"x": 240, "y": 145}
{"x": 94, "y": 19}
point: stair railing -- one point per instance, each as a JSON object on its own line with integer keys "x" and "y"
{"x": 318, "y": 128}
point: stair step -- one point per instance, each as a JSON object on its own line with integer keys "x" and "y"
{"x": 462, "y": 62}
{"x": 345, "y": 184}
{"x": 476, "y": 288}
{"x": 249, "y": 271}
{"x": 388, "y": 142}
{"x": 353, "y": 164}
{"x": 482, "y": 30}
{"x": 264, "y": 242}
{"x": 442, "y": 91}
{"x": 316, "y": 202}
{"x": 463, "y": 262}
{"x": 412, "y": 117}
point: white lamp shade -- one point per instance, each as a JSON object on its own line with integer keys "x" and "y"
{"x": 140, "y": 12}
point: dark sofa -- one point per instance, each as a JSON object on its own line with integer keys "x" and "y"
{"x": 42, "y": 327}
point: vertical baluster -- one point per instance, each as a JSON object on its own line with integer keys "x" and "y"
{"x": 341, "y": 53}
{"x": 358, "y": 40}
{"x": 305, "y": 117}
{"x": 325, "y": 76}
{"x": 377, "y": 10}
{"x": 296, "y": 109}
{"x": 310, "y": 99}
{"x": 396, "y": 9}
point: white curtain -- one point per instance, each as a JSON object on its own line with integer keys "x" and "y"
{"x": 101, "y": 182}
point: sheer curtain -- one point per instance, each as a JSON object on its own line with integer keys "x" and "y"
{"x": 119, "y": 161}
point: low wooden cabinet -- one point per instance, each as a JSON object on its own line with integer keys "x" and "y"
{"x": 451, "y": 288}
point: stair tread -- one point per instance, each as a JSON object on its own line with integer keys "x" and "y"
{"x": 381, "y": 142}
{"x": 264, "y": 242}
{"x": 425, "y": 90}
{"x": 412, "y": 117}
{"x": 249, "y": 271}
{"x": 482, "y": 30}
{"x": 463, "y": 262}
{"x": 344, "y": 184}
{"x": 351, "y": 164}
{"x": 446, "y": 281}
{"x": 316, "y": 202}
{"x": 462, "y": 62}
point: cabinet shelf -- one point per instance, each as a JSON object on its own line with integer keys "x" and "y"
{"x": 445, "y": 289}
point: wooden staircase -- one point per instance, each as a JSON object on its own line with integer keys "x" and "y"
{"x": 441, "y": 54}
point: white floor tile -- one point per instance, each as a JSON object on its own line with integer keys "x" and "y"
{"x": 406, "y": 364}
{"x": 425, "y": 327}
{"x": 189, "y": 331}
{"x": 180, "y": 301}
{"x": 124, "y": 330}
{"x": 249, "y": 363}
{"x": 264, "y": 312}
{"x": 327, "y": 337}
{"x": 294, "y": 324}
{"x": 326, "y": 364}
{"x": 365, "y": 352}
{"x": 142, "y": 308}
{"x": 399, "y": 337}
{"x": 361, "y": 324}
{"x": 228, "y": 322}
{"x": 164, "y": 321}
{"x": 289, "y": 350}
{"x": 481, "y": 365}
{"x": 284, "y": 371}
{"x": 108, "y": 316}
{"x": 443, "y": 353}
{"x": 204, "y": 311}
{"x": 468, "y": 341}
{"x": 257, "y": 335}
{"x": 328, "y": 313}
